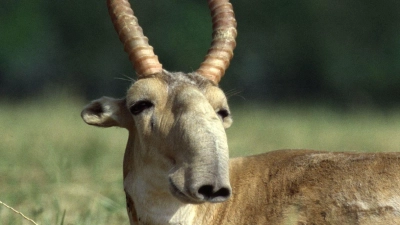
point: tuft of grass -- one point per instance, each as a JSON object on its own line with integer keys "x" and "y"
{"x": 18, "y": 212}
{"x": 58, "y": 170}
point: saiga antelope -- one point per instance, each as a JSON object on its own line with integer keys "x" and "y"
{"x": 176, "y": 167}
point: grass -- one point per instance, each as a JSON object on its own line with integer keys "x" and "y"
{"x": 57, "y": 170}
{"x": 51, "y": 162}
{"x": 257, "y": 129}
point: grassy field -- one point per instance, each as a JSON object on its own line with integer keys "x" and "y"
{"x": 57, "y": 170}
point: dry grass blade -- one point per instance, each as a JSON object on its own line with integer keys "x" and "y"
{"x": 18, "y": 212}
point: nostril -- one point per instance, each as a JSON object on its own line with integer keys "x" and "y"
{"x": 208, "y": 193}
{"x": 223, "y": 193}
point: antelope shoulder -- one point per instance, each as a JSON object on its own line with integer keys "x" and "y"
{"x": 313, "y": 187}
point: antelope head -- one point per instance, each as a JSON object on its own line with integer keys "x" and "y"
{"x": 177, "y": 144}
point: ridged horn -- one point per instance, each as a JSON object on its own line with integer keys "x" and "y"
{"x": 224, "y": 34}
{"x": 141, "y": 54}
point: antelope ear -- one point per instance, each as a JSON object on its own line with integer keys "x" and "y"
{"x": 107, "y": 112}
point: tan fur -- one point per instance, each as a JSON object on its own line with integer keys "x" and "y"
{"x": 179, "y": 143}
{"x": 308, "y": 187}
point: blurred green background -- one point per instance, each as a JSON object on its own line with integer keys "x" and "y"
{"x": 343, "y": 53}
{"x": 306, "y": 74}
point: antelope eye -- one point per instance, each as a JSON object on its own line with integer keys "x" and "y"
{"x": 140, "y": 106}
{"x": 223, "y": 113}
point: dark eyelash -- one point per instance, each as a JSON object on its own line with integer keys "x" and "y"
{"x": 223, "y": 113}
{"x": 140, "y": 106}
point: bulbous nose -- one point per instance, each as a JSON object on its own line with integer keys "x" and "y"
{"x": 213, "y": 193}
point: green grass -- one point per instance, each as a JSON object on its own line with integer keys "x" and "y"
{"x": 51, "y": 162}
{"x": 257, "y": 129}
